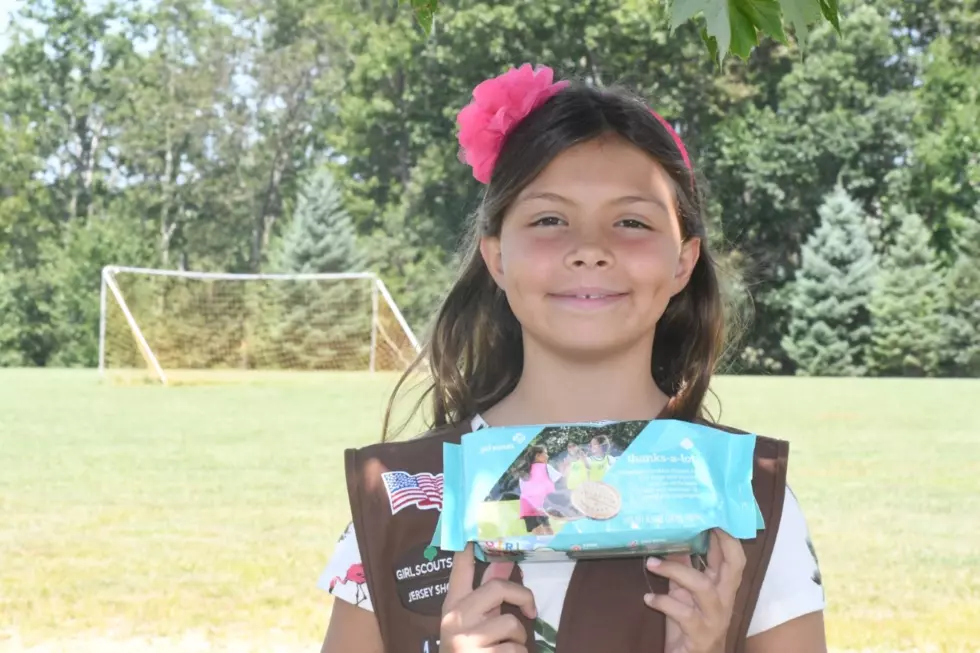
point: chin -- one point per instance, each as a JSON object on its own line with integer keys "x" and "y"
{"x": 588, "y": 345}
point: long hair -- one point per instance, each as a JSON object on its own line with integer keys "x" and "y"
{"x": 474, "y": 350}
{"x": 530, "y": 455}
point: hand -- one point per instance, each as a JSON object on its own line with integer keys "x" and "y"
{"x": 699, "y": 604}
{"x": 471, "y": 618}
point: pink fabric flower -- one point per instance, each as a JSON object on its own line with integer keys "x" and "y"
{"x": 498, "y": 105}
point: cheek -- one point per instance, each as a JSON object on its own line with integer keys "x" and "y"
{"x": 650, "y": 263}
{"x": 527, "y": 260}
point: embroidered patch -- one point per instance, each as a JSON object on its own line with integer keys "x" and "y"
{"x": 423, "y": 490}
{"x": 422, "y": 583}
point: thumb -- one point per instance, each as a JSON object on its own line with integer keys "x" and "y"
{"x": 461, "y": 577}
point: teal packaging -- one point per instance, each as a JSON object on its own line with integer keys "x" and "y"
{"x": 560, "y": 491}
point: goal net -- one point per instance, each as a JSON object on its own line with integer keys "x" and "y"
{"x": 175, "y": 326}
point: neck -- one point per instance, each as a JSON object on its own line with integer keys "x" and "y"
{"x": 556, "y": 389}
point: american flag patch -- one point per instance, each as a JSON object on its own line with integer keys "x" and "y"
{"x": 423, "y": 490}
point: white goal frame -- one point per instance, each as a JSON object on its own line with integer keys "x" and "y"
{"x": 379, "y": 292}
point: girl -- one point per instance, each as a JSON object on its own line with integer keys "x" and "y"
{"x": 536, "y": 483}
{"x": 587, "y": 293}
{"x": 599, "y": 459}
{"x": 576, "y": 470}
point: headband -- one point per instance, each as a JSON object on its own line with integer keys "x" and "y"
{"x": 500, "y": 103}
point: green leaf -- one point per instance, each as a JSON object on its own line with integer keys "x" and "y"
{"x": 801, "y": 14}
{"x": 831, "y": 11}
{"x": 744, "y": 36}
{"x": 715, "y": 15}
{"x": 681, "y": 11}
{"x": 424, "y": 11}
{"x": 765, "y": 15}
{"x": 712, "y": 44}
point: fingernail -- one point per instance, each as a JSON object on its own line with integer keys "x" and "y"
{"x": 648, "y": 598}
{"x": 653, "y": 563}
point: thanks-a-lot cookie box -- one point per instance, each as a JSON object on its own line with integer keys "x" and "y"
{"x": 560, "y": 491}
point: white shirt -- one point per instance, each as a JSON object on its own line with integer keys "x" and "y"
{"x": 792, "y": 587}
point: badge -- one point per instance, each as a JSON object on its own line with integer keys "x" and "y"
{"x": 422, "y": 582}
{"x": 423, "y": 490}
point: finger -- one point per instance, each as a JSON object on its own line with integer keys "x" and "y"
{"x": 686, "y": 616}
{"x": 509, "y": 647}
{"x": 687, "y": 577}
{"x": 732, "y": 566}
{"x": 496, "y": 571}
{"x": 499, "y": 630}
{"x": 715, "y": 555}
{"x": 461, "y": 578}
{"x": 494, "y": 594}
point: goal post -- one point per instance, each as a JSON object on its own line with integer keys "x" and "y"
{"x": 173, "y": 325}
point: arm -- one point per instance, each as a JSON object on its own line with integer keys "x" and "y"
{"x": 789, "y": 614}
{"x": 352, "y": 629}
{"x": 801, "y": 635}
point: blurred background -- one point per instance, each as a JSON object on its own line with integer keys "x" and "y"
{"x": 301, "y": 137}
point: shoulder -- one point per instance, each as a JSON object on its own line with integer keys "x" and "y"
{"x": 793, "y": 584}
{"x": 422, "y": 453}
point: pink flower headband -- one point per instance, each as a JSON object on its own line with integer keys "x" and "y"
{"x": 500, "y": 103}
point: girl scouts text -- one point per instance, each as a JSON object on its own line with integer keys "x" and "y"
{"x": 425, "y": 568}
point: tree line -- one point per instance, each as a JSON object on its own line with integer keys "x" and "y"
{"x": 843, "y": 181}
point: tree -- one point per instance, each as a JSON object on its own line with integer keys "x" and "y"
{"x": 842, "y": 114}
{"x": 729, "y": 26}
{"x": 829, "y": 328}
{"x": 905, "y": 305}
{"x": 321, "y": 237}
{"x": 320, "y": 324}
{"x": 962, "y": 303}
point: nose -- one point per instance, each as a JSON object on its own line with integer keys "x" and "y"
{"x": 589, "y": 253}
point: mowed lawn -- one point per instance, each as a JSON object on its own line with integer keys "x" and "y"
{"x": 207, "y": 512}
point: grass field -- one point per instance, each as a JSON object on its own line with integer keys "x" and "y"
{"x": 199, "y": 517}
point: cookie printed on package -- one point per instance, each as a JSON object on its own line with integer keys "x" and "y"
{"x": 560, "y": 491}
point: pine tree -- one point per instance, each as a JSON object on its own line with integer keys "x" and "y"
{"x": 322, "y": 324}
{"x": 961, "y": 328}
{"x": 829, "y": 327}
{"x": 321, "y": 237}
{"x": 906, "y": 305}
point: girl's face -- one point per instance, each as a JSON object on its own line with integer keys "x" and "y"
{"x": 541, "y": 457}
{"x": 596, "y": 447}
{"x": 590, "y": 252}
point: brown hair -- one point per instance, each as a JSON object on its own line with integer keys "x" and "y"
{"x": 474, "y": 349}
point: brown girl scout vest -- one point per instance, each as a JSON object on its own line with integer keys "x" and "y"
{"x": 603, "y": 609}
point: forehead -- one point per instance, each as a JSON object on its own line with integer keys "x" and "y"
{"x": 605, "y": 167}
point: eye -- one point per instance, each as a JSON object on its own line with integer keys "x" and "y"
{"x": 547, "y": 221}
{"x": 633, "y": 223}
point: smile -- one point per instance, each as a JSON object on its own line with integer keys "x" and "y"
{"x": 588, "y": 299}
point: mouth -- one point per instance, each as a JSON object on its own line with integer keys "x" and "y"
{"x": 587, "y": 298}
{"x": 588, "y": 293}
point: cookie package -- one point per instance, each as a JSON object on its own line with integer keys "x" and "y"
{"x": 574, "y": 491}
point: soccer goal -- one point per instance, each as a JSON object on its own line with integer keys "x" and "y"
{"x": 176, "y": 326}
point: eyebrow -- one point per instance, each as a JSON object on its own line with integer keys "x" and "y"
{"x": 624, "y": 200}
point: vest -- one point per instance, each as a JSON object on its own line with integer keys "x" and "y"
{"x": 407, "y": 580}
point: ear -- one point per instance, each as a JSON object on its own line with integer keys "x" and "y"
{"x": 490, "y": 250}
{"x": 690, "y": 253}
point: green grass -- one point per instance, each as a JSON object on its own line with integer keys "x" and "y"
{"x": 143, "y": 511}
